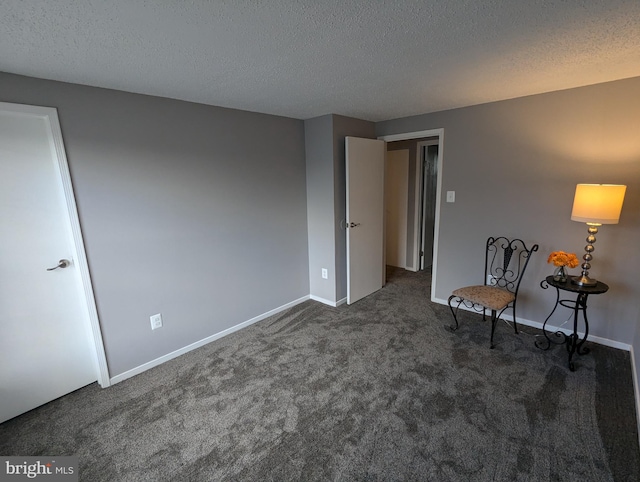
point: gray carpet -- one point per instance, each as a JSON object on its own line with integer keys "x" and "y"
{"x": 375, "y": 391}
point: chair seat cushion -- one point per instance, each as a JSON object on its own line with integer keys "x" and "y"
{"x": 487, "y": 296}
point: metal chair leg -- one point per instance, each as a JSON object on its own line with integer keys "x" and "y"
{"x": 453, "y": 312}
{"x": 515, "y": 324}
{"x": 494, "y": 320}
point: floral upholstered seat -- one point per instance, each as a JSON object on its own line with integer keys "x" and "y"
{"x": 505, "y": 263}
{"x": 488, "y": 296}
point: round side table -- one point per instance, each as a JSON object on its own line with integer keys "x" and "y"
{"x": 579, "y": 305}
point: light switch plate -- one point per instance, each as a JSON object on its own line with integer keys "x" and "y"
{"x": 451, "y": 196}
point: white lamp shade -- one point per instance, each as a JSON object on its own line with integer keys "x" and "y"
{"x": 598, "y": 203}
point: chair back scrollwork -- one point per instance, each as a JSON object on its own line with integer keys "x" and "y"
{"x": 505, "y": 262}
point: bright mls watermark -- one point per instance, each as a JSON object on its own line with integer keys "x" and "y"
{"x": 54, "y": 469}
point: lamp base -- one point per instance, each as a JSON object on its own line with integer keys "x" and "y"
{"x": 583, "y": 281}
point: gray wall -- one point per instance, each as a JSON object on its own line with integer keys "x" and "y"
{"x": 514, "y": 166}
{"x": 326, "y": 200}
{"x": 320, "y": 206}
{"x": 193, "y": 211}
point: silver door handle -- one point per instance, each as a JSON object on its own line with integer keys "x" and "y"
{"x": 353, "y": 225}
{"x": 63, "y": 263}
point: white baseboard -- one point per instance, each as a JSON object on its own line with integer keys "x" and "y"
{"x": 158, "y": 361}
{"x": 551, "y": 328}
{"x": 335, "y": 304}
{"x": 322, "y": 300}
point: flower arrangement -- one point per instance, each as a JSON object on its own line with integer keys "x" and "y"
{"x": 560, "y": 258}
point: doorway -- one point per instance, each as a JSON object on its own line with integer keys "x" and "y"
{"x": 396, "y": 188}
{"x": 415, "y": 220}
{"x": 426, "y": 176}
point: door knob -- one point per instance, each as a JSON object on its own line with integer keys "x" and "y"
{"x": 353, "y": 225}
{"x": 63, "y": 263}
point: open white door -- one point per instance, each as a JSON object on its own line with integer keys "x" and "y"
{"x": 365, "y": 216}
{"x": 46, "y": 345}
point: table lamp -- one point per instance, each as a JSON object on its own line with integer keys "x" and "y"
{"x": 595, "y": 204}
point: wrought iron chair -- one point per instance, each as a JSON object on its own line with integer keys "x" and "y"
{"x": 505, "y": 263}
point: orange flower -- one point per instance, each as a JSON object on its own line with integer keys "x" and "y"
{"x": 560, "y": 258}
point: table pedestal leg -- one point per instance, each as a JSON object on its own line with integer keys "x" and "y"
{"x": 574, "y": 343}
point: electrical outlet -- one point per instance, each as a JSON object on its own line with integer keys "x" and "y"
{"x": 491, "y": 280}
{"x": 325, "y": 273}
{"x": 156, "y": 321}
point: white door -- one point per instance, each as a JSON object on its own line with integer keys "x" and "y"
{"x": 365, "y": 216}
{"x": 46, "y": 344}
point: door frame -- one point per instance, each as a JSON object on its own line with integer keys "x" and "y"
{"x": 439, "y": 133}
{"x": 87, "y": 298}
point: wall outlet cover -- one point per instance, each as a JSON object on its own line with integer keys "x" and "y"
{"x": 156, "y": 321}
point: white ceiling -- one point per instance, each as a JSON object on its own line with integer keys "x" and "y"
{"x": 370, "y": 59}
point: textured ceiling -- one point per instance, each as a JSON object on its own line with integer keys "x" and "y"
{"x": 371, "y": 59}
